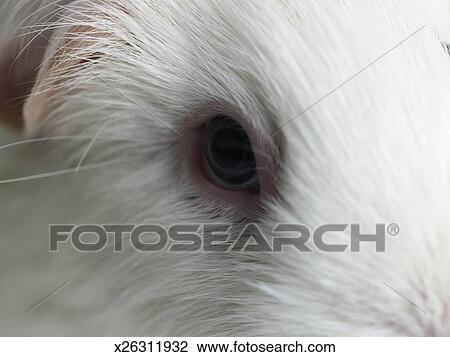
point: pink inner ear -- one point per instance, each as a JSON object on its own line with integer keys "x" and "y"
{"x": 62, "y": 63}
{"x": 18, "y": 74}
{"x": 28, "y": 88}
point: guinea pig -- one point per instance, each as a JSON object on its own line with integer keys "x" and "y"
{"x": 232, "y": 113}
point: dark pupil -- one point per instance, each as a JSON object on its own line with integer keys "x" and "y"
{"x": 228, "y": 152}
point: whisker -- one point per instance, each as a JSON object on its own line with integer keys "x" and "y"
{"x": 22, "y": 51}
{"x": 48, "y": 16}
{"x": 91, "y": 143}
{"x": 60, "y": 138}
{"x": 72, "y": 170}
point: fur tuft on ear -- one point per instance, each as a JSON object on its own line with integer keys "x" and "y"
{"x": 26, "y": 26}
{"x": 41, "y": 62}
{"x": 69, "y": 51}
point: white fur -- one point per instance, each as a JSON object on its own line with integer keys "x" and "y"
{"x": 374, "y": 151}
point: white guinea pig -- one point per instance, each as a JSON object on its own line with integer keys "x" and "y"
{"x": 328, "y": 112}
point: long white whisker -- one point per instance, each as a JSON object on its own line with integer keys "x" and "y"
{"x": 91, "y": 143}
{"x": 40, "y": 9}
{"x": 62, "y": 172}
{"x": 57, "y": 138}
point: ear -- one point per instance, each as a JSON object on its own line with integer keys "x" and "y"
{"x": 68, "y": 51}
{"x": 25, "y": 34}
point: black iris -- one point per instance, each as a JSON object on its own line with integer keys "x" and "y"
{"x": 228, "y": 155}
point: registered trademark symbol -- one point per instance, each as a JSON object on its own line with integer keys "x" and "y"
{"x": 393, "y": 229}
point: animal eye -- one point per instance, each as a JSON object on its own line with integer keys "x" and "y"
{"x": 228, "y": 157}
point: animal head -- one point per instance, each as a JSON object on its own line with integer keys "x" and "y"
{"x": 299, "y": 112}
